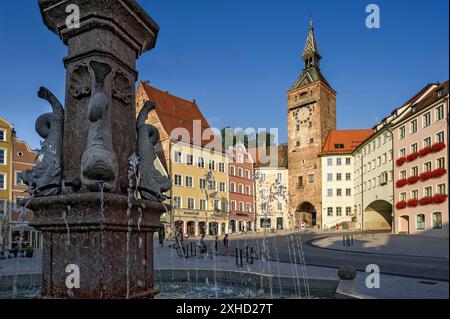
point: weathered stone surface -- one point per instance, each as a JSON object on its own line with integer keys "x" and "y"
{"x": 99, "y": 161}
{"x": 347, "y": 273}
{"x": 112, "y": 32}
{"x": 311, "y": 108}
{"x": 114, "y": 253}
{"x": 50, "y": 127}
{"x": 148, "y": 138}
{"x": 76, "y": 231}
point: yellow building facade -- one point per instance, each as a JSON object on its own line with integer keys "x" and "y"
{"x": 6, "y": 131}
{"x": 199, "y": 195}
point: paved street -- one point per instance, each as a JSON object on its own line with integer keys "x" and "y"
{"x": 415, "y": 277}
{"x": 391, "y": 287}
{"x": 281, "y": 248}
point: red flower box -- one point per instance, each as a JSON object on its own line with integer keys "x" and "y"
{"x": 401, "y": 205}
{"x": 413, "y": 180}
{"x": 439, "y": 199}
{"x": 438, "y": 172}
{"x": 412, "y": 157}
{"x": 413, "y": 203}
{"x": 436, "y": 147}
{"x": 401, "y": 182}
{"x": 425, "y": 176}
{"x": 425, "y": 151}
{"x": 426, "y": 201}
{"x": 400, "y": 161}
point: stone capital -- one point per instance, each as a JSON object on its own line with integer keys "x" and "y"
{"x": 139, "y": 34}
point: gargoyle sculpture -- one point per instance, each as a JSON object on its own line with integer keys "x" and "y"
{"x": 99, "y": 162}
{"x": 48, "y": 169}
{"x": 148, "y": 137}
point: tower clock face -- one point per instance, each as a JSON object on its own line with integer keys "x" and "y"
{"x": 303, "y": 115}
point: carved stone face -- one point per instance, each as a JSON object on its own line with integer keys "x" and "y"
{"x": 98, "y": 164}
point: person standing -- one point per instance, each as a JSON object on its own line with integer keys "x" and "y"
{"x": 216, "y": 246}
{"x": 226, "y": 245}
{"x": 161, "y": 235}
{"x": 201, "y": 246}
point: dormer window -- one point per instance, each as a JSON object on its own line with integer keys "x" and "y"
{"x": 339, "y": 146}
{"x": 441, "y": 93}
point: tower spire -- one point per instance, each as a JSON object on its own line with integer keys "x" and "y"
{"x": 311, "y": 54}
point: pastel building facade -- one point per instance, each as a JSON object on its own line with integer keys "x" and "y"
{"x": 421, "y": 170}
{"x": 6, "y": 133}
{"x": 374, "y": 170}
{"x": 241, "y": 190}
{"x": 338, "y": 178}
{"x": 373, "y": 188}
{"x": 272, "y": 192}
{"x": 20, "y": 230}
{"x": 196, "y": 164}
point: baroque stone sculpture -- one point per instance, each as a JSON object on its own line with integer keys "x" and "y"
{"x": 148, "y": 137}
{"x": 108, "y": 236}
{"x": 99, "y": 162}
{"x": 48, "y": 170}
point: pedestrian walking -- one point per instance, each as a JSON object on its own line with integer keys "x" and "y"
{"x": 226, "y": 245}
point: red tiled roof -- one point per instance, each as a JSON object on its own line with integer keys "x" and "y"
{"x": 175, "y": 112}
{"x": 344, "y": 141}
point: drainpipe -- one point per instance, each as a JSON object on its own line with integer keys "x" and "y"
{"x": 362, "y": 190}
{"x": 171, "y": 217}
{"x": 389, "y": 129}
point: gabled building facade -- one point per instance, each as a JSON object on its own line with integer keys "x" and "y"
{"x": 20, "y": 231}
{"x": 272, "y": 189}
{"x": 196, "y": 164}
{"x": 241, "y": 190}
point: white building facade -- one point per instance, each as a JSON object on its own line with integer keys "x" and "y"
{"x": 271, "y": 198}
{"x": 373, "y": 185}
{"x": 337, "y": 190}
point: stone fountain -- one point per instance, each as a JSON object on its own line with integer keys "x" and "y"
{"x": 96, "y": 195}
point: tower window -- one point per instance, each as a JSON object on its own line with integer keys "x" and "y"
{"x": 298, "y": 127}
{"x": 310, "y": 124}
{"x": 311, "y": 141}
{"x": 298, "y": 143}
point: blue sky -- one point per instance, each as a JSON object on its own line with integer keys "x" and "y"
{"x": 238, "y": 58}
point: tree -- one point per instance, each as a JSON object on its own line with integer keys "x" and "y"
{"x": 250, "y": 138}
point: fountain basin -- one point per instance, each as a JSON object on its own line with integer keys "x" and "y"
{"x": 114, "y": 254}
{"x": 201, "y": 284}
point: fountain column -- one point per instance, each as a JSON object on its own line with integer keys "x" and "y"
{"x": 97, "y": 229}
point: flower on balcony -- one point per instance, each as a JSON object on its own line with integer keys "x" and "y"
{"x": 412, "y": 157}
{"x": 438, "y": 172}
{"x": 400, "y": 161}
{"x": 425, "y": 176}
{"x": 436, "y": 147}
{"x": 426, "y": 201}
{"x": 413, "y": 203}
{"x": 401, "y": 182}
{"x": 439, "y": 198}
{"x": 425, "y": 151}
{"x": 413, "y": 180}
{"x": 401, "y": 205}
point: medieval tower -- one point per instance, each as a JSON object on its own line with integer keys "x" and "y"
{"x": 311, "y": 108}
